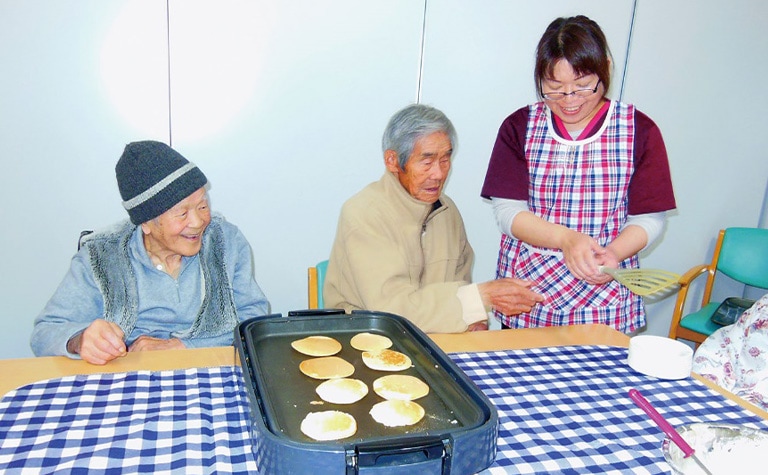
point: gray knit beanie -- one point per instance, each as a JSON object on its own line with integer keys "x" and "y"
{"x": 153, "y": 178}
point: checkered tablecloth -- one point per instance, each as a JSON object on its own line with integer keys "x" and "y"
{"x": 561, "y": 410}
{"x": 566, "y": 410}
{"x": 191, "y": 421}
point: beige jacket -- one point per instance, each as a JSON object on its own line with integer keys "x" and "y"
{"x": 396, "y": 254}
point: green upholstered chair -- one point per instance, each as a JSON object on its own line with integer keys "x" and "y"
{"x": 315, "y": 280}
{"x": 742, "y": 255}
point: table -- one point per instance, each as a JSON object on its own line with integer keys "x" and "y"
{"x": 556, "y": 336}
{"x": 484, "y": 356}
{"x": 21, "y": 371}
{"x": 566, "y": 410}
{"x": 18, "y": 372}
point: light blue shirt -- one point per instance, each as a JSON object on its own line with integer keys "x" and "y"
{"x": 165, "y": 305}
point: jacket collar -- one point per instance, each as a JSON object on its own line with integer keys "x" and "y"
{"x": 418, "y": 210}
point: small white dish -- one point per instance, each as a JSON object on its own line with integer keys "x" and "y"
{"x": 660, "y": 357}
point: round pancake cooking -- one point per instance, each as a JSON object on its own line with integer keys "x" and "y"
{"x": 327, "y": 367}
{"x": 397, "y": 413}
{"x": 400, "y": 386}
{"x": 386, "y": 360}
{"x": 342, "y": 390}
{"x": 329, "y": 425}
{"x": 370, "y": 342}
{"x": 317, "y": 345}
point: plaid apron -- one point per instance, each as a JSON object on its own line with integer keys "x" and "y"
{"x": 582, "y": 185}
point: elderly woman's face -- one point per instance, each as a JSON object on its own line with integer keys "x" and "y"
{"x": 179, "y": 231}
{"x": 426, "y": 169}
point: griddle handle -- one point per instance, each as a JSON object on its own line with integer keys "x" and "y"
{"x": 313, "y": 312}
{"x": 400, "y": 452}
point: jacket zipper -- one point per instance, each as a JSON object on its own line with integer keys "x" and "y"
{"x": 430, "y": 213}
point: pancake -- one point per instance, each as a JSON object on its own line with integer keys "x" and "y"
{"x": 327, "y": 367}
{"x": 397, "y": 413}
{"x": 317, "y": 346}
{"x": 386, "y": 360}
{"x": 400, "y": 387}
{"x": 342, "y": 390}
{"x": 328, "y": 425}
{"x": 370, "y": 342}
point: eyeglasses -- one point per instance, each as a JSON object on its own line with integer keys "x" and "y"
{"x": 557, "y": 96}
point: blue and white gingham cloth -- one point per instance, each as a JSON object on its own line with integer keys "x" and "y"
{"x": 566, "y": 410}
{"x": 191, "y": 421}
{"x": 561, "y": 410}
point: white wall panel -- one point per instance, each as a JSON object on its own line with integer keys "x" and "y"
{"x": 282, "y": 104}
{"x": 697, "y": 68}
{"x": 71, "y": 72}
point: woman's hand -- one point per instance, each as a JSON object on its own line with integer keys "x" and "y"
{"x": 628, "y": 243}
{"x": 606, "y": 258}
{"x": 580, "y": 253}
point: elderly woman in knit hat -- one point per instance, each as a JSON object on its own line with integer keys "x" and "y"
{"x": 174, "y": 276}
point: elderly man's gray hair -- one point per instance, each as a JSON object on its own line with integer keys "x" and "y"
{"x": 410, "y": 124}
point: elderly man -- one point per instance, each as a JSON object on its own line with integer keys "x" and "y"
{"x": 174, "y": 276}
{"x": 401, "y": 246}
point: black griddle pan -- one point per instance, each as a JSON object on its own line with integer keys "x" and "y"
{"x": 459, "y": 418}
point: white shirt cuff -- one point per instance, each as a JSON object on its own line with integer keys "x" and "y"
{"x": 472, "y": 307}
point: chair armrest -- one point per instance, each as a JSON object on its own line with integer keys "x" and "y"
{"x": 692, "y": 274}
{"x": 682, "y": 294}
{"x": 312, "y": 297}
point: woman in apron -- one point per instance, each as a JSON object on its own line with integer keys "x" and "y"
{"x": 577, "y": 181}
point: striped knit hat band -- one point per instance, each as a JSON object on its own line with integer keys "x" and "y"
{"x": 153, "y": 178}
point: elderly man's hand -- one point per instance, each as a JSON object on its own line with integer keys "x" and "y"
{"x": 478, "y": 326}
{"x": 509, "y": 296}
{"x": 149, "y": 343}
{"x": 98, "y": 344}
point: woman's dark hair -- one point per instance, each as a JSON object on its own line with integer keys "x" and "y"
{"x": 578, "y": 40}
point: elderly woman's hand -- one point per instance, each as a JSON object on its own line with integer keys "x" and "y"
{"x": 149, "y": 343}
{"x": 98, "y": 344}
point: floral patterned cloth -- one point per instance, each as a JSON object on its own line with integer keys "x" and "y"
{"x": 736, "y": 357}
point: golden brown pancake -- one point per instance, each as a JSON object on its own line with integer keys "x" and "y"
{"x": 342, "y": 390}
{"x": 401, "y": 387}
{"x": 327, "y": 367}
{"x": 397, "y": 413}
{"x": 329, "y": 425}
{"x": 386, "y": 360}
{"x": 370, "y": 342}
{"x": 317, "y": 345}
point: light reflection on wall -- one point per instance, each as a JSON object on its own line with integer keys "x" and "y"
{"x": 134, "y": 67}
{"x": 214, "y": 65}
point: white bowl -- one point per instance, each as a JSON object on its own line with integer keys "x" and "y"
{"x": 660, "y": 357}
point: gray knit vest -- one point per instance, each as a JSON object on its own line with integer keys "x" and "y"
{"x": 113, "y": 272}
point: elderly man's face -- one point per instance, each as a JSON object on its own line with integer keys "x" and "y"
{"x": 179, "y": 231}
{"x": 426, "y": 169}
